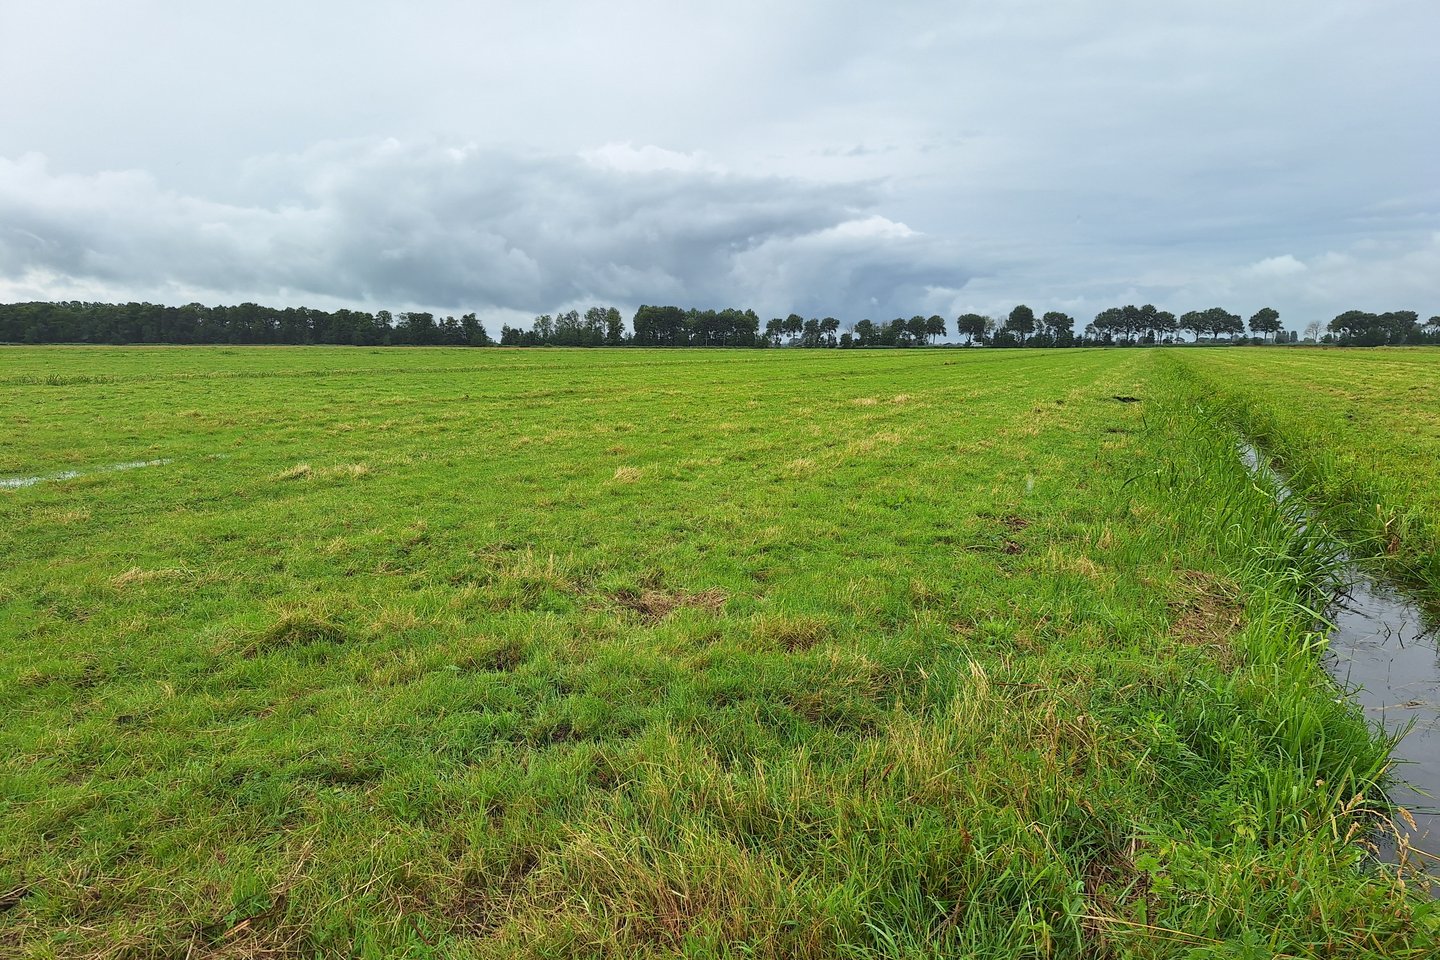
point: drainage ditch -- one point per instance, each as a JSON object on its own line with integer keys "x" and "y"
{"x": 1384, "y": 651}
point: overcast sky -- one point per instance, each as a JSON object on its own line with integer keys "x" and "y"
{"x": 845, "y": 159}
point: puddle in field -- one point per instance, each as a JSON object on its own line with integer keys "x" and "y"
{"x": 15, "y": 483}
{"x": 1385, "y": 650}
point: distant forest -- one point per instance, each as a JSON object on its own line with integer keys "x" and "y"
{"x": 656, "y": 326}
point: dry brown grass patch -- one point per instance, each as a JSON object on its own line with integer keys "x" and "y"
{"x": 393, "y": 620}
{"x": 136, "y": 575}
{"x": 1113, "y": 884}
{"x": 252, "y": 940}
{"x": 793, "y": 633}
{"x": 655, "y": 605}
{"x": 498, "y": 654}
{"x": 62, "y": 517}
{"x": 1209, "y": 613}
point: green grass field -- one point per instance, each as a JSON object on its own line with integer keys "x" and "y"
{"x": 447, "y": 653}
{"x": 1360, "y": 431}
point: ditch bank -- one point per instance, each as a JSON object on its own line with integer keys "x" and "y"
{"x": 1383, "y": 649}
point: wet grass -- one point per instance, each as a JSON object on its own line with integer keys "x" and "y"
{"x": 482, "y": 653}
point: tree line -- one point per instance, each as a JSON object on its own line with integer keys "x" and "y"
{"x": 671, "y": 326}
{"x": 247, "y": 323}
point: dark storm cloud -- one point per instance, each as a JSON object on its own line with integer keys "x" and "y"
{"x": 464, "y": 227}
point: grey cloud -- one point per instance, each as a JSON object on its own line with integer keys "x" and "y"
{"x": 468, "y": 228}
{"x": 1064, "y": 154}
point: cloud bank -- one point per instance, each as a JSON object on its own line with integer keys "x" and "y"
{"x": 465, "y": 228}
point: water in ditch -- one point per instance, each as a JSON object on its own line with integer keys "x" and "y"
{"x": 1384, "y": 650}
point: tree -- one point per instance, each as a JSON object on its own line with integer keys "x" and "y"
{"x": 971, "y": 326}
{"x": 746, "y": 329}
{"x": 473, "y": 331}
{"x": 934, "y": 327}
{"x": 592, "y": 327}
{"x": 810, "y": 333}
{"x": 916, "y": 328}
{"x": 1060, "y": 327}
{"x": 793, "y": 326}
{"x": 568, "y": 330}
{"x": 1021, "y": 321}
{"x": 1195, "y": 322}
{"x": 418, "y": 329}
{"x": 451, "y": 333}
{"x": 774, "y": 327}
{"x": 614, "y": 328}
{"x": 1214, "y": 321}
{"x": 1143, "y": 321}
{"x": 828, "y": 326}
{"x": 866, "y": 334}
{"x": 1165, "y": 325}
{"x": 660, "y": 327}
{"x": 896, "y": 333}
{"x": 1402, "y": 325}
{"x": 704, "y": 327}
{"x": 1265, "y": 322}
{"x": 1361, "y": 329}
{"x": 1109, "y": 323}
{"x": 1353, "y": 325}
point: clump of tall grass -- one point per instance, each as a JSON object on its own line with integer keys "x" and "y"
{"x": 1291, "y": 564}
{"x": 294, "y": 626}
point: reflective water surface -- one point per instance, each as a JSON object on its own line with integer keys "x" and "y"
{"x": 15, "y": 483}
{"x": 1384, "y": 649}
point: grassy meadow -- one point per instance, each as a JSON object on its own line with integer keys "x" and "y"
{"x": 490, "y": 653}
{"x": 1359, "y": 431}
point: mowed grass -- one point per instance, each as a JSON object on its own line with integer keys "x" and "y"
{"x": 1359, "y": 430}
{"x": 445, "y": 653}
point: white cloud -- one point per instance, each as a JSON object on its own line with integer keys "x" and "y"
{"x": 1282, "y": 266}
{"x": 628, "y": 158}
